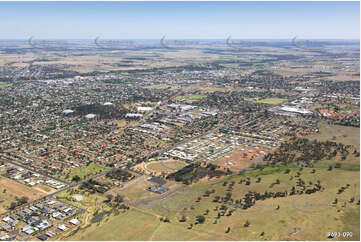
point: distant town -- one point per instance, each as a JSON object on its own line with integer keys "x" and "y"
{"x": 208, "y": 142}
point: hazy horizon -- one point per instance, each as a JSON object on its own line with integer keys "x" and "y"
{"x": 180, "y": 20}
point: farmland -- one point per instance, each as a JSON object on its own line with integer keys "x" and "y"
{"x": 337, "y": 133}
{"x": 298, "y": 216}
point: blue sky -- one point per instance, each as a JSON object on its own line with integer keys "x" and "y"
{"x": 176, "y": 20}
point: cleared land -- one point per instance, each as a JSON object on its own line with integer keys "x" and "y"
{"x": 274, "y": 101}
{"x": 338, "y": 133}
{"x": 160, "y": 86}
{"x": 84, "y": 172}
{"x": 241, "y": 159}
{"x": 300, "y": 217}
{"x": 18, "y": 189}
{"x": 4, "y": 84}
{"x": 6, "y": 198}
{"x": 191, "y": 97}
{"x": 165, "y": 166}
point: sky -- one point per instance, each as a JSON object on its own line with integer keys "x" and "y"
{"x": 180, "y": 20}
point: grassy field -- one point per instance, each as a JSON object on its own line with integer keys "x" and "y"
{"x": 206, "y": 89}
{"x": 311, "y": 215}
{"x": 84, "y": 172}
{"x": 191, "y": 97}
{"x": 167, "y": 167}
{"x": 118, "y": 227}
{"x": 338, "y": 133}
{"x": 4, "y": 84}
{"x": 300, "y": 217}
{"x": 274, "y": 101}
{"x": 160, "y": 86}
{"x": 6, "y": 198}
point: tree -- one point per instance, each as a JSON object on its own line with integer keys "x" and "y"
{"x": 76, "y": 178}
{"x": 183, "y": 219}
{"x": 246, "y": 224}
{"x": 118, "y": 198}
{"x": 13, "y": 205}
{"x": 22, "y": 200}
{"x": 109, "y": 197}
{"x": 200, "y": 219}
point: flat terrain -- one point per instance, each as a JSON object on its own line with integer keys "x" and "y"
{"x": 4, "y": 84}
{"x": 84, "y": 172}
{"x": 6, "y": 198}
{"x": 240, "y": 159}
{"x": 338, "y": 133}
{"x": 274, "y": 101}
{"x": 166, "y": 166}
{"x": 190, "y": 97}
{"x": 19, "y": 189}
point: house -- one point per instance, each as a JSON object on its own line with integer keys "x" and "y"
{"x": 5, "y": 237}
{"x": 30, "y": 220}
{"x": 51, "y": 202}
{"x": 74, "y": 221}
{"x": 33, "y": 208}
{"x": 43, "y": 225}
{"x": 7, "y": 219}
{"x": 39, "y": 205}
{"x": 6, "y": 228}
{"x": 43, "y": 237}
{"x": 68, "y": 211}
{"x": 29, "y": 231}
{"x": 27, "y": 228}
{"x": 20, "y": 213}
{"x": 50, "y": 234}
{"x": 57, "y": 215}
{"x": 157, "y": 189}
{"x": 62, "y": 227}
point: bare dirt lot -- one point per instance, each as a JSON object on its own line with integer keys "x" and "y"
{"x": 19, "y": 189}
{"x": 242, "y": 158}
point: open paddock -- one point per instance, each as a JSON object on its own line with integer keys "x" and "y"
{"x": 19, "y": 190}
{"x": 241, "y": 158}
{"x": 166, "y": 166}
